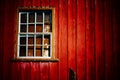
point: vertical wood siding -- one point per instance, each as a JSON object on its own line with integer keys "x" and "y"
{"x": 63, "y": 41}
{"x": 86, "y": 41}
{"x": 99, "y": 40}
{"x": 1, "y": 39}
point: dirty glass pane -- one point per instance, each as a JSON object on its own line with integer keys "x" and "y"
{"x": 31, "y": 17}
{"x": 47, "y": 28}
{"x": 38, "y": 39}
{"x": 22, "y": 51}
{"x": 46, "y": 52}
{"x": 39, "y": 28}
{"x": 46, "y": 39}
{"x": 38, "y": 51}
{"x": 23, "y": 28}
{"x": 30, "y": 50}
{"x": 39, "y": 17}
{"x": 31, "y": 28}
{"x": 24, "y": 18}
{"x": 30, "y": 39}
{"x": 22, "y": 40}
{"x": 47, "y": 17}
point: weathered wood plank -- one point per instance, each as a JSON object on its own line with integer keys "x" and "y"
{"x": 63, "y": 56}
{"x": 90, "y": 40}
{"x": 108, "y": 27}
{"x": 81, "y": 66}
{"x": 99, "y": 40}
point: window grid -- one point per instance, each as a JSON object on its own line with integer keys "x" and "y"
{"x": 34, "y": 35}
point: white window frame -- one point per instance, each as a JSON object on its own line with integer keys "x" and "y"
{"x": 35, "y": 33}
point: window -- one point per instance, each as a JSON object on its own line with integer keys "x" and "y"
{"x": 35, "y": 34}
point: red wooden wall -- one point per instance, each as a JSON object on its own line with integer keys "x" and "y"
{"x": 87, "y": 41}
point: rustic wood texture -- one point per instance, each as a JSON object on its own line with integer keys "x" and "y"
{"x": 108, "y": 24}
{"x": 86, "y": 41}
{"x": 99, "y": 40}
{"x": 63, "y": 35}
{"x": 90, "y": 40}
{"x": 81, "y": 29}
{"x": 72, "y": 35}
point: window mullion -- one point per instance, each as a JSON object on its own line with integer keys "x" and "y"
{"x": 35, "y": 37}
{"x": 50, "y": 44}
{"x": 43, "y": 35}
{"x": 19, "y": 22}
{"x": 27, "y": 36}
{"x": 19, "y": 36}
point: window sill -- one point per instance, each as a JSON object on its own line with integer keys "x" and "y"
{"x": 34, "y": 60}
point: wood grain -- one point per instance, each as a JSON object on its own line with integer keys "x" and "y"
{"x": 90, "y": 40}
{"x": 99, "y": 40}
{"x": 63, "y": 26}
{"x": 81, "y": 53}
